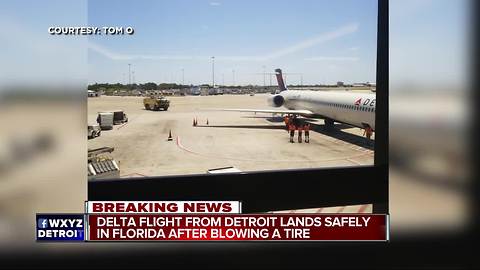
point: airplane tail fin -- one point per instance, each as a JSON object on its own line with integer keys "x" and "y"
{"x": 281, "y": 83}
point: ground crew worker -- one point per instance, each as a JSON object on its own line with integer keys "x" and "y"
{"x": 369, "y": 132}
{"x": 307, "y": 132}
{"x": 300, "y": 128}
{"x": 291, "y": 128}
{"x": 285, "y": 119}
{"x": 295, "y": 120}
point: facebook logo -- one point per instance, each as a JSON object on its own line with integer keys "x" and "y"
{"x": 42, "y": 223}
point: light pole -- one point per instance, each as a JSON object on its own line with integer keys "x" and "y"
{"x": 233, "y": 76}
{"x": 183, "y": 77}
{"x": 129, "y": 74}
{"x": 213, "y": 71}
{"x": 263, "y": 77}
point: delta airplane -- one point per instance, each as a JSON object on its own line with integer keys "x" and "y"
{"x": 355, "y": 109}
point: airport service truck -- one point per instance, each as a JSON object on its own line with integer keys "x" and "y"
{"x": 156, "y": 103}
{"x": 105, "y": 120}
{"x": 119, "y": 117}
{"x": 94, "y": 131}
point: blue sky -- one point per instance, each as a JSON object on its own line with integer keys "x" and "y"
{"x": 429, "y": 41}
{"x": 326, "y": 41}
{"x": 29, "y": 55}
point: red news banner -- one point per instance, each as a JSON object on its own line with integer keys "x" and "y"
{"x": 234, "y": 227}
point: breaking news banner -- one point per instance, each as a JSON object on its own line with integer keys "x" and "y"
{"x": 152, "y": 207}
{"x": 235, "y": 227}
{"x": 204, "y": 221}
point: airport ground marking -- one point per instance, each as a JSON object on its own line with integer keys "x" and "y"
{"x": 362, "y": 208}
{"x": 182, "y": 147}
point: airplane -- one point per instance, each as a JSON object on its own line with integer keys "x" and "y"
{"x": 354, "y": 109}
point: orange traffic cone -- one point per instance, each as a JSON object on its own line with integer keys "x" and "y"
{"x": 170, "y": 136}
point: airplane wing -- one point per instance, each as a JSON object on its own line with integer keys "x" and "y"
{"x": 284, "y": 111}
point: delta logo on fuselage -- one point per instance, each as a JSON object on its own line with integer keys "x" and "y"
{"x": 367, "y": 101}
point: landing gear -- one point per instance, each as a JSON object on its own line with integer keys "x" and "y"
{"x": 328, "y": 124}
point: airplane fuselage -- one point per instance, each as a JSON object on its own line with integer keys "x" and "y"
{"x": 356, "y": 109}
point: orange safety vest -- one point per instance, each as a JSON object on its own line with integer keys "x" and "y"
{"x": 369, "y": 131}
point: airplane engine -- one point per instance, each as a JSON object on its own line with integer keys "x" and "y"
{"x": 276, "y": 101}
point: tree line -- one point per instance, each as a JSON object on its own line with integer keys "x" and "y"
{"x": 142, "y": 86}
{"x": 110, "y": 87}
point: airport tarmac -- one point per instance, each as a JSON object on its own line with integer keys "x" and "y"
{"x": 246, "y": 141}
